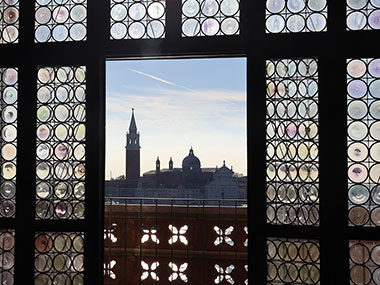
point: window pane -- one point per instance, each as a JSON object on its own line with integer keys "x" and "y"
{"x": 294, "y": 16}
{"x": 58, "y": 258}
{"x": 363, "y": 141}
{"x": 292, "y": 142}
{"x": 132, "y": 19}
{"x": 210, "y": 17}
{"x": 9, "y": 15}
{"x": 292, "y": 261}
{"x": 61, "y": 135}
{"x": 7, "y": 257}
{"x": 363, "y": 15}
{"x": 364, "y": 262}
{"x": 60, "y": 20}
{"x": 8, "y": 141}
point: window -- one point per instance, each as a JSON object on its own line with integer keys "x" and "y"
{"x": 346, "y": 32}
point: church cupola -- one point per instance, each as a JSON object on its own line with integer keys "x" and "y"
{"x": 170, "y": 163}
{"x": 191, "y": 163}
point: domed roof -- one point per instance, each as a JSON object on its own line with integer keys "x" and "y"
{"x": 191, "y": 162}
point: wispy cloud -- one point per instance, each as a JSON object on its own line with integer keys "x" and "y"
{"x": 161, "y": 80}
{"x": 180, "y": 109}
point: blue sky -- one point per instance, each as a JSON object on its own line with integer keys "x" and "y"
{"x": 178, "y": 104}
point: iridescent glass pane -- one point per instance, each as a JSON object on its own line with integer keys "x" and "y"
{"x": 9, "y": 21}
{"x": 292, "y": 142}
{"x": 294, "y": 16}
{"x": 364, "y": 262}
{"x": 137, "y": 19}
{"x": 61, "y": 142}
{"x": 210, "y": 17}
{"x": 293, "y": 261}
{"x": 60, "y": 20}
{"x": 363, "y": 141}
{"x": 59, "y": 258}
{"x": 8, "y": 140}
{"x": 7, "y": 256}
{"x": 363, "y": 15}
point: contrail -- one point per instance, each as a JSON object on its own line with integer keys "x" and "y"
{"x": 161, "y": 80}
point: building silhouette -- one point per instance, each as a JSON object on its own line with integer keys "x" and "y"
{"x": 188, "y": 181}
{"x": 132, "y": 154}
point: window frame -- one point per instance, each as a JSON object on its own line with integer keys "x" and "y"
{"x": 332, "y": 48}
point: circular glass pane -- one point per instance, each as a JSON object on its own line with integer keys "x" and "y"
{"x": 357, "y": 88}
{"x": 358, "y": 194}
{"x": 374, "y": 20}
{"x": 357, "y": 151}
{"x": 190, "y": 8}
{"x": 275, "y": 23}
{"x": 357, "y": 109}
{"x": 78, "y": 32}
{"x": 356, "y": 68}
{"x": 137, "y": 11}
{"x": 118, "y": 31}
{"x": 155, "y": 29}
{"x": 229, "y": 7}
{"x": 230, "y": 26}
{"x": 295, "y": 23}
{"x": 136, "y": 30}
{"x": 78, "y": 13}
{"x": 210, "y": 27}
{"x": 357, "y": 130}
{"x": 156, "y": 10}
{"x": 119, "y": 12}
{"x": 356, "y": 21}
{"x": 210, "y": 8}
{"x": 275, "y": 6}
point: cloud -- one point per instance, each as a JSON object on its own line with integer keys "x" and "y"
{"x": 161, "y": 80}
{"x": 166, "y": 108}
{"x": 214, "y": 95}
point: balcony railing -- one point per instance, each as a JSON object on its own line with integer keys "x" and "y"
{"x": 158, "y": 240}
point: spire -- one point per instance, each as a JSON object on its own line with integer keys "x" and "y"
{"x": 132, "y": 125}
{"x": 171, "y": 163}
{"x": 158, "y": 165}
{"x": 132, "y": 152}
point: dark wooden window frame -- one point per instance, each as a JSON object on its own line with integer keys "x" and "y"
{"x": 332, "y": 48}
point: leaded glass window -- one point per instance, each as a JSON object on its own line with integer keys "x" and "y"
{"x": 363, "y": 142}
{"x": 7, "y": 256}
{"x": 9, "y": 21}
{"x": 293, "y": 261}
{"x": 137, "y": 19}
{"x": 364, "y": 262}
{"x": 59, "y": 258}
{"x": 8, "y": 140}
{"x": 292, "y": 142}
{"x": 210, "y": 17}
{"x": 61, "y": 142}
{"x": 363, "y": 15}
{"x": 294, "y": 16}
{"x": 60, "y": 20}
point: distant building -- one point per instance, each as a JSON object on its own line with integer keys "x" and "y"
{"x": 132, "y": 154}
{"x": 189, "y": 181}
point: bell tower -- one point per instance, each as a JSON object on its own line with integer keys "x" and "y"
{"x": 132, "y": 154}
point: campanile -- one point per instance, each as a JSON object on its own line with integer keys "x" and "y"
{"x": 132, "y": 154}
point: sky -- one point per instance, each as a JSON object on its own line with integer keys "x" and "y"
{"x": 179, "y": 104}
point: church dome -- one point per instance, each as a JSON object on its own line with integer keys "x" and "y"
{"x": 191, "y": 163}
